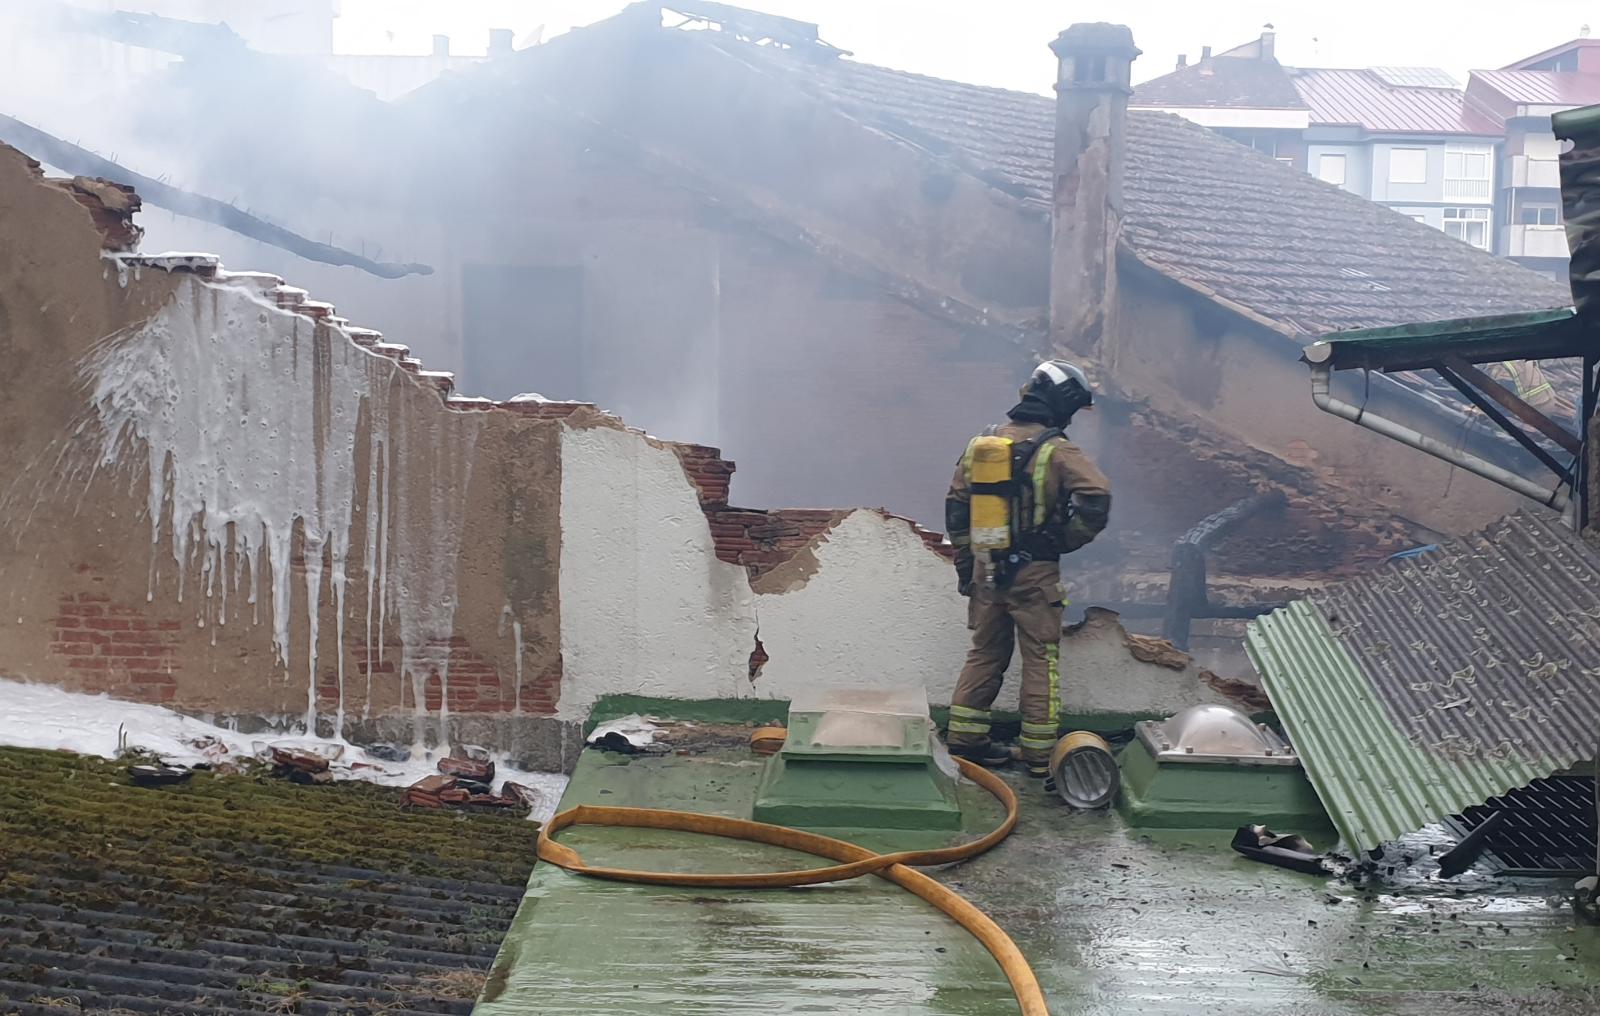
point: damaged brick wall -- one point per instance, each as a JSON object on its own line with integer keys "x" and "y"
{"x": 442, "y": 588}
{"x": 100, "y": 596}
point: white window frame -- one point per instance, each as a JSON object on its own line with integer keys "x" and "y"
{"x": 1468, "y": 172}
{"x": 1421, "y": 176}
{"x": 1463, "y": 218}
{"x": 1336, "y": 159}
{"x": 1540, "y": 207}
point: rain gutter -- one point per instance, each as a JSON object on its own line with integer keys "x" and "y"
{"x": 1322, "y": 394}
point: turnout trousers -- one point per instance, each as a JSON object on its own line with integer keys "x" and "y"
{"x": 1025, "y": 615}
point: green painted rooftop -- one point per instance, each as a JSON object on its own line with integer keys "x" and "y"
{"x": 1113, "y": 921}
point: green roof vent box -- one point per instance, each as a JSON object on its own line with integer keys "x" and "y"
{"x": 1210, "y": 767}
{"x": 860, "y": 758}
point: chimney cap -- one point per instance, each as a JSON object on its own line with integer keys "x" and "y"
{"x": 1096, "y": 37}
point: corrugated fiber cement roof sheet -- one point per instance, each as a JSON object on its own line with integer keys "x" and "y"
{"x": 1443, "y": 680}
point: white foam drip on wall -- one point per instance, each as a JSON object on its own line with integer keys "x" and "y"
{"x": 509, "y": 618}
{"x": 248, "y": 429}
{"x": 434, "y": 472}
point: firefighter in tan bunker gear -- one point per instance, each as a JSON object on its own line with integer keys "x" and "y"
{"x": 1052, "y": 501}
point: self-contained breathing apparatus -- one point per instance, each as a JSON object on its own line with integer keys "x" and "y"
{"x": 1011, "y": 524}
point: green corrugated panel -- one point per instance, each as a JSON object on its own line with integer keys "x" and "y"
{"x": 1374, "y": 782}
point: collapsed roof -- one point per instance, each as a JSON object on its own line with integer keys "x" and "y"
{"x": 1443, "y": 680}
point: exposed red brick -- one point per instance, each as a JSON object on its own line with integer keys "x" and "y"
{"x": 115, "y": 647}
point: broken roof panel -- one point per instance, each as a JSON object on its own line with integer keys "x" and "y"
{"x": 1442, "y": 680}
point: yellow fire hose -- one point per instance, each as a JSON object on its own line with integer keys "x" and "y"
{"x": 855, "y": 862}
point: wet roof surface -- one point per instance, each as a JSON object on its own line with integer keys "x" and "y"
{"x": 233, "y": 894}
{"x": 1198, "y": 207}
{"x": 1443, "y": 680}
{"x": 1112, "y": 922}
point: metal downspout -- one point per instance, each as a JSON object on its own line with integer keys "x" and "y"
{"x": 1322, "y": 395}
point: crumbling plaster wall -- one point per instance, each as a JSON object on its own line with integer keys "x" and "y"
{"x": 648, "y": 608}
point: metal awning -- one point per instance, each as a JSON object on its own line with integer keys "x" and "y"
{"x": 1536, "y": 335}
{"x": 1454, "y": 349}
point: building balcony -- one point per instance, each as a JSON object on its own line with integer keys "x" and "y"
{"x": 1467, "y": 190}
{"x": 1522, "y": 241}
{"x": 1526, "y": 171}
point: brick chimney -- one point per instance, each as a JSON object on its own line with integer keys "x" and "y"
{"x": 441, "y": 45}
{"x": 499, "y": 42}
{"x": 1269, "y": 44}
{"x": 1206, "y": 66}
{"x": 1092, "y": 89}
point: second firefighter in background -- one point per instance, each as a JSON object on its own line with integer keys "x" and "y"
{"x": 1023, "y": 495}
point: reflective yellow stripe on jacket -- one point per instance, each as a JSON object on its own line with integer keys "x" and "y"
{"x": 1041, "y": 480}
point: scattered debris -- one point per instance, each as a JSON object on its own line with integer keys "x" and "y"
{"x": 211, "y": 748}
{"x": 522, "y": 793}
{"x": 158, "y": 775}
{"x": 300, "y": 766}
{"x": 1259, "y": 843}
{"x": 390, "y": 752}
{"x": 468, "y": 769}
{"x": 1250, "y": 697}
{"x": 428, "y": 792}
{"x": 443, "y": 790}
{"x": 1149, "y": 649}
{"x": 1460, "y": 857}
{"x": 628, "y": 735}
{"x": 1586, "y": 900}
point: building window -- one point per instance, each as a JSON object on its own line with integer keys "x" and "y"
{"x": 1469, "y": 225}
{"x": 1539, "y": 215}
{"x": 1466, "y": 171}
{"x": 1408, "y": 165}
{"x": 1330, "y": 169}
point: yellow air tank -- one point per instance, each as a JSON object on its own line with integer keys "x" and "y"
{"x": 991, "y": 511}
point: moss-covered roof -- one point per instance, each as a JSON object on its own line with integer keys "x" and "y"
{"x": 242, "y": 893}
